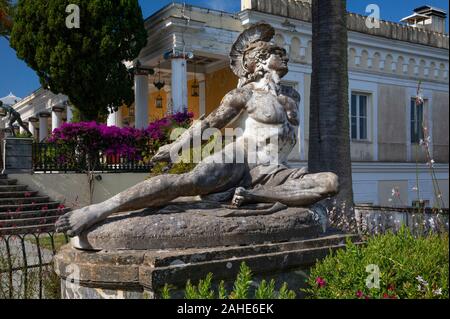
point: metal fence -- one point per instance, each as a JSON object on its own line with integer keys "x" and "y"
{"x": 420, "y": 221}
{"x": 26, "y": 270}
{"x": 49, "y": 158}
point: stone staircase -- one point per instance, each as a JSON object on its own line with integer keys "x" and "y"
{"x": 23, "y": 211}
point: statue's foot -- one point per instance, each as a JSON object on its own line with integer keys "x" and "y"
{"x": 240, "y": 197}
{"x": 77, "y": 221}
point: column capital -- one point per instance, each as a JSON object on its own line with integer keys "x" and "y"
{"x": 59, "y": 109}
{"x": 33, "y": 119}
{"x": 44, "y": 114}
{"x": 176, "y": 54}
{"x": 138, "y": 69}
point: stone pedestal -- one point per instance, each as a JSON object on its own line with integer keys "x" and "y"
{"x": 17, "y": 155}
{"x": 133, "y": 255}
{"x": 136, "y": 274}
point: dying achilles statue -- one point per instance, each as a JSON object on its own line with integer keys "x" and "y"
{"x": 13, "y": 117}
{"x": 268, "y": 118}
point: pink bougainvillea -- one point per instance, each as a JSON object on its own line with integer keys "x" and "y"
{"x": 93, "y": 138}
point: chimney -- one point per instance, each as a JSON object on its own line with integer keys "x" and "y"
{"x": 428, "y": 18}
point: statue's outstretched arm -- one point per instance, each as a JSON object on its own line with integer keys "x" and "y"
{"x": 231, "y": 107}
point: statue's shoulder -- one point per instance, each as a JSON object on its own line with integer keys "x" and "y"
{"x": 245, "y": 91}
{"x": 240, "y": 95}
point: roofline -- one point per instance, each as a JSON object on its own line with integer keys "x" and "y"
{"x": 190, "y": 6}
{"x": 419, "y": 15}
{"x": 438, "y": 11}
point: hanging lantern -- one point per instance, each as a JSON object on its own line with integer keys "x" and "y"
{"x": 131, "y": 111}
{"x": 159, "y": 102}
{"x": 159, "y": 84}
{"x": 195, "y": 88}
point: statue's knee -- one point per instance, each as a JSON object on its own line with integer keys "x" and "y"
{"x": 330, "y": 182}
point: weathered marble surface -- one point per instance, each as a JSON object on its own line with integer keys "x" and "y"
{"x": 201, "y": 224}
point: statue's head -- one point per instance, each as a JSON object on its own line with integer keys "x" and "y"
{"x": 253, "y": 55}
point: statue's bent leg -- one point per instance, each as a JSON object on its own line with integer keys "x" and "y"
{"x": 12, "y": 120}
{"x": 154, "y": 192}
{"x": 305, "y": 191}
{"x": 19, "y": 120}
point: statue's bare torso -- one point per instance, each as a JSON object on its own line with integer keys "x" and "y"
{"x": 268, "y": 121}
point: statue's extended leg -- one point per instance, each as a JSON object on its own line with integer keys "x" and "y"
{"x": 19, "y": 120}
{"x": 155, "y": 192}
{"x": 305, "y": 191}
{"x": 11, "y": 125}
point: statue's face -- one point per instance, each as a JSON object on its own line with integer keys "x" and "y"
{"x": 278, "y": 61}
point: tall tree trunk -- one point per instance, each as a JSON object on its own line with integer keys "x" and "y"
{"x": 329, "y": 137}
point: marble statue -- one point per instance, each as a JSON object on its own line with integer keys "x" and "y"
{"x": 265, "y": 113}
{"x": 14, "y": 117}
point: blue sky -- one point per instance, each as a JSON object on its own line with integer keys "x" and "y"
{"x": 16, "y": 77}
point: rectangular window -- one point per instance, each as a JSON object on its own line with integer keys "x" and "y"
{"x": 359, "y": 117}
{"x": 416, "y": 124}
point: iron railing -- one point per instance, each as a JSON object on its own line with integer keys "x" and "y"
{"x": 420, "y": 221}
{"x": 62, "y": 158}
{"x": 26, "y": 269}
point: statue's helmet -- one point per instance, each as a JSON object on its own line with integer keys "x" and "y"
{"x": 257, "y": 37}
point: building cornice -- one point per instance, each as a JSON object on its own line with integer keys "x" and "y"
{"x": 301, "y": 10}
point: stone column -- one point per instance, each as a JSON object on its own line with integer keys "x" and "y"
{"x": 179, "y": 83}
{"x": 141, "y": 99}
{"x": 32, "y": 123}
{"x": 115, "y": 119}
{"x": 69, "y": 114}
{"x": 43, "y": 125}
{"x": 169, "y": 106}
{"x": 202, "y": 98}
{"x": 56, "y": 117}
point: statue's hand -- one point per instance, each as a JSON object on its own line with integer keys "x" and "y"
{"x": 163, "y": 154}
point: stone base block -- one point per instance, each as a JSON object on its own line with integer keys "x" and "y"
{"x": 134, "y": 274}
{"x": 17, "y": 155}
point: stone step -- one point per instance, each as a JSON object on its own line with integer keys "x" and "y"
{"x": 13, "y": 188}
{"x": 253, "y": 250}
{"x": 28, "y": 222}
{"x": 16, "y": 194}
{"x": 33, "y": 214}
{"x": 3, "y": 176}
{"x": 29, "y": 207}
{"x": 8, "y": 181}
{"x": 36, "y": 229}
{"x": 24, "y": 200}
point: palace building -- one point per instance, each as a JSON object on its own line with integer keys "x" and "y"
{"x": 188, "y": 49}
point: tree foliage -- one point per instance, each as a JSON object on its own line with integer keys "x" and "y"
{"x": 6, "y": 14}
{"x": 84, "y": 63}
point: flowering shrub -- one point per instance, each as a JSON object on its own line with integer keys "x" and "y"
{"x": 409, "y": 267}
{"x": 89, "y": 139}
